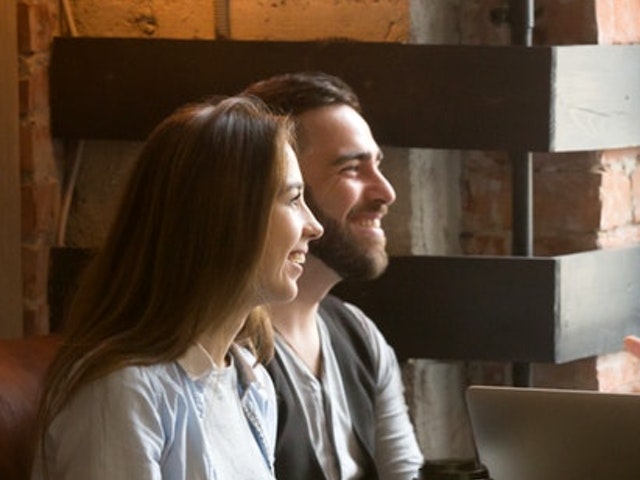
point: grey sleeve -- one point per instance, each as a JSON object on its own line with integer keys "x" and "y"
{"x": 398, "y": 455}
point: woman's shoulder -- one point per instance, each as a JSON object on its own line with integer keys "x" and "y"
{"x": 153, "y": 382}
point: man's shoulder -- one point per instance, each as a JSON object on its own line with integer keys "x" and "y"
{"x": 338, "y": 313}
{"x": 332, "y": 304}
{"x": 348, "y": 330}
{"x": 346, "y": 315}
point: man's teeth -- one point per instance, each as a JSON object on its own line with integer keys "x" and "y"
{"x": 297, "y": 257}
{"x": 368, "y": 223}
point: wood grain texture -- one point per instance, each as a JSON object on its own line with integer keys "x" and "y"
{"x": 431, "y": 96}
{"x": 529, "y": 309}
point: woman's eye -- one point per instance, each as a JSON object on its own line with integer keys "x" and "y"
{"x": 295, "y": 199}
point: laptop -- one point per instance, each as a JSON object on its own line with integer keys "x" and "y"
{"x": 548, "y": 434}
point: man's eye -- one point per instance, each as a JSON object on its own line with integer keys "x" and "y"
{"x": 351, "y": 167}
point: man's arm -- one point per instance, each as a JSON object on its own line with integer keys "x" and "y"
{"x": 398, "y": 454}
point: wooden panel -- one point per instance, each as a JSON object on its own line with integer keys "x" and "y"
{"x": 564, "y": 98}
{"x": 528, "y": 309}
{"x": 598, "y": 297}
{"x": 415, "y": 95}
{"x": 596, "y": 97}
{"x": 10, "y": 266}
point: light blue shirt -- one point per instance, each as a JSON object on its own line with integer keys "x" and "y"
{"x": 147, "y": 422}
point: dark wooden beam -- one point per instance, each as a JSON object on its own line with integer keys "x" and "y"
{"x": 529, "y": 309}
{"x": 432, "y": 96}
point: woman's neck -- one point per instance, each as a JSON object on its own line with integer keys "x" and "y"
{"x": 218, "y": 341}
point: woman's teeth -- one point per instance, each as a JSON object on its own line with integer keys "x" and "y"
{"x": 297, "y": 257}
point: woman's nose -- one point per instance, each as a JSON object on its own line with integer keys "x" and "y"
{"x": 313, "y": 228}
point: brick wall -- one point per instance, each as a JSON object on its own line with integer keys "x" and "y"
{"x": 37, "y": 22}
{"x": 582, "y": 201}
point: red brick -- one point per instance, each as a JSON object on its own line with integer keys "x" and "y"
{"x": 565, "y": 22}
{"x": 618, "y": 21}
{"x": 36, "y": 23}
{"x": 563, "y": 243}
{"x": 27, "y": 146}
{"x": 618, "y": 372}
{"x": 35, "y": 270}
{"x": 483, "y": 160}
{"x": 566, "y": 202}
{"x": 620, "y": 237}
{"x": 580, "y": 374}
{"x": 617, "y": 207}
{"x": 628, "y": 156}
{"x": 486, "y": 199}
{"x": 474, "y": 243}
{"x": 40, "y": 209}
{"x": 489, "y": 373}
{"x": 36, "y": 150}
{"x": 566, "y": 162}
{"x": 34, "y": 92}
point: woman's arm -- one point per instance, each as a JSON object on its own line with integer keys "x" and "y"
{"x": 111, "y": 430}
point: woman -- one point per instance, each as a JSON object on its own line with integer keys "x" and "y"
{"x": 159, "y": 376}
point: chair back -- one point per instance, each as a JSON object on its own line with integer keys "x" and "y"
{"x": 23, "y": 363}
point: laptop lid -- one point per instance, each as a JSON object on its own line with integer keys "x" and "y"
{"x": 548, "y": 434}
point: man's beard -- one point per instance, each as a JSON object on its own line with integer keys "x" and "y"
{"x": 348, "y": 256}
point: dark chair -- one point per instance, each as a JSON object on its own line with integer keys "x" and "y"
{"x": 23, "y": 363}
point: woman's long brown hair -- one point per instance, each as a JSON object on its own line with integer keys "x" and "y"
{"x": 183, "y": 251}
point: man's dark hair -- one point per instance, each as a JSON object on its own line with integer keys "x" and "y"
{"x": 295, "y": 93}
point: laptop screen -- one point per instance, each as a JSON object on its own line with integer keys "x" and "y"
{"x": 534, "y": 434}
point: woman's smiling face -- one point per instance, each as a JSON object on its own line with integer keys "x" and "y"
{"x": 292, "y": 226}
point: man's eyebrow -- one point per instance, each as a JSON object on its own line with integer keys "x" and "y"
{"x": 361, "y": 156}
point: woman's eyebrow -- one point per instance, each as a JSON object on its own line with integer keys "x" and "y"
{"x": 293, "y": 186}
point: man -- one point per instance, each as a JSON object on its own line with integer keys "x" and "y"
{"x": 333, "y": 370}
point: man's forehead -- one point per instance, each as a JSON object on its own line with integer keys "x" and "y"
{"x": 322, "y": 117}
{"x": 336, "y": 130}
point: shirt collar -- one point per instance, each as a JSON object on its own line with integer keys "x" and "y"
{"x": 198, "y": 364}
